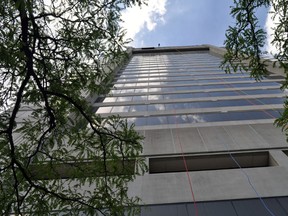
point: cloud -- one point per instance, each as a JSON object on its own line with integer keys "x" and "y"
{"x": 147, "y": 17}
{"x": 269, "y": 26}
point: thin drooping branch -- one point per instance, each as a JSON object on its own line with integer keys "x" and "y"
{"x": 55, "y": 194}
{"x": 245, "y": 40}
{"x": 90, "y": 121}
{"x": 55, "y": 53}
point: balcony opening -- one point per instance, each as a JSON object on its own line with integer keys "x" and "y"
{"x": 209, "y": 162}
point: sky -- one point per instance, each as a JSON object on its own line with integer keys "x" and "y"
{"x": 182, "y": 22}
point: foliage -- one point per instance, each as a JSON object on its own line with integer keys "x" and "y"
{"x": 53, "y": 55}
{"x": 246, "y": 40}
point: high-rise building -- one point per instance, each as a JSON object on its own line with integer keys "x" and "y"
{"x": 210, "y": 142}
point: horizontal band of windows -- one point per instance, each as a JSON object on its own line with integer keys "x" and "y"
{"x": 138, "y": 60}
{"x": 194, "y": 119}
{"x": 176, "y": 52}
{"x": 182, "y": 87}
{"x": 170, "y": 70}
{"x": 177, "y": 83}
{"x": 160, "y": 65}
{"x": 180, "y": 74}
{"x": 173, "y": 73}
{"x": 209, "y": 162}
{"x": 232, "y": 207}
{"x": 167, "y": 98}
{"x": 179, "y": 106}
{"x": 204, "y": 85}
{"x": 204, "y": 124}
{"x": 165, "y": 77}
{"x": 155, "y": 81}
{"x": 196, "y": 111}
{"x": 204, "y": 93}
{"x": 175, "y": 63}
{"x": 188, "y": 59}
{"x": 154, "y": 110}
{"x": 153, "y": 57}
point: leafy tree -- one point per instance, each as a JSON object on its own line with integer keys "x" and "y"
{"x": 55, "y": 153}
{"x": 246, "y": 40}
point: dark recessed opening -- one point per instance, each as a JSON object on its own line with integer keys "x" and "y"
{"x": 209, "y": 162}
{"x": 147, "y": 48}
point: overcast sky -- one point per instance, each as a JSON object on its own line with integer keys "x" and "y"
{"x": 181, "y": 22}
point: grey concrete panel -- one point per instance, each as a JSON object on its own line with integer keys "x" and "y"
{"x": 165, "y": 188}
{"x": 214, "y": 185}
{"x": 278, "y": 158}
{"x": 216, "y": 138}
{"x": 158, "y": 142}
{"x": 245, "y": 137}
{"x": 189, "y": 139}
{"x": 272, "y": 135}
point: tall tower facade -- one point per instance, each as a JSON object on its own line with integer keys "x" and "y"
{"x": 210, "y": 142}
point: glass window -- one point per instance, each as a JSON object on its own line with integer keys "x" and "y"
{"x": 156, "y": 89}
{"x": 155, "y": 97}
{"x": 140, "y": 98}
{"x": 119, "y": 85}
{"x": 179, "y": 105}
{"x": 157, "y": 120}
{"x": 244, "y": 115}
{"x": 180, "y": 119}
{"x": 209, "y": 80}
{"x": 275, "y": 113}
{"x": 109, "y": 99}
{"x": 216, "y": 86}
{"x": 200, "y": 94}
{"x": 120, "y": 109}
{"x": 104, "y": 110}
{"x": 123, "y": 91}
{"x": 141, "y": 90}
{"x": 262, "y": 91}
{"x": 142, "y": 84}
{"x": 156, "y": 107}
{"x": 139, "y": 121}
{"x": 124, "y": 99}
{"x": 138, "y": 108}
{"x": 244, "y": 102}
{"x": 224, "y": 93}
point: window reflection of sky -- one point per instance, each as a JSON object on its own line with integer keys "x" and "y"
{"x": 180, "y": 75}
{"x": 175, "y": 76}
{"x": 192, "y": 105}
{"x": 199, "y": 94}
{"x": 189, "y": 86}
{"x": 207, "y": 117}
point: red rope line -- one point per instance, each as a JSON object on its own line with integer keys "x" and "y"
{"x": 184, "y": 162}
{"x": 186, "y": 167}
